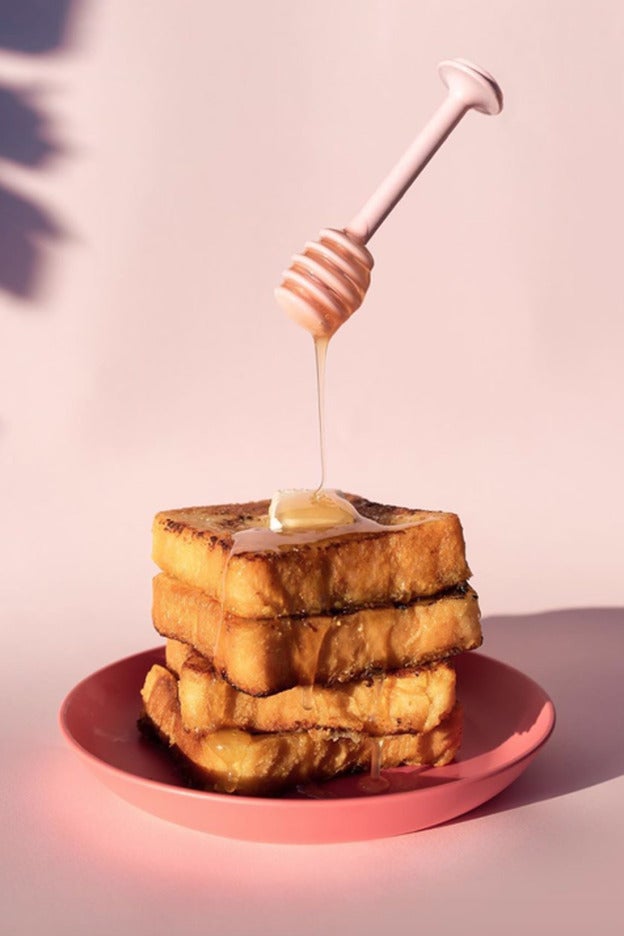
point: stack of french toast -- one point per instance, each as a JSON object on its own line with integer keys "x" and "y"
{"x": 292, "y": 659}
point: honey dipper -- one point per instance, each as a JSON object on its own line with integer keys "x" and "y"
{"x": 327, "y": 282}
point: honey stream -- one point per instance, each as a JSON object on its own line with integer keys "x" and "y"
{"x": 320, "y": 355}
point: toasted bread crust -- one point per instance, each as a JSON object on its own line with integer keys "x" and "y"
{"x": 235, "y": 761}
{"x": 403, "y": 701}
{"x": 267, "y": 655}
{"x": 417, "y": 553}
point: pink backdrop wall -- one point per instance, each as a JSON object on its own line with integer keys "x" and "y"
{"x": 146, "y": 365}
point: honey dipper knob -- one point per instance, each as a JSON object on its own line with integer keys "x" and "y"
{"x": 473, "y": 85}
{"x": 327, "y": 282}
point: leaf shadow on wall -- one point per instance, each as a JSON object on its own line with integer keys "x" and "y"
{"x": 577, "y": 656}
{"x": 31, "y": 27}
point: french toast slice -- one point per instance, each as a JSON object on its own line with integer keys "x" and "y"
{"x": 235, "y": 761}
{"x": 403, "y": 701}
{"x": 396, "y": 556}
{"x": 265, "y": 655}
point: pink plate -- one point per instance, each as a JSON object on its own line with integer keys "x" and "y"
{"x": 508, "y": 717}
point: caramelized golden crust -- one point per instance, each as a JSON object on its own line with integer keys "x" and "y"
{"x": 236, "y": 761}
{"x": 414, "y": 553}
{"x": 267, "y": 655}
{"x": 403, "y": 701}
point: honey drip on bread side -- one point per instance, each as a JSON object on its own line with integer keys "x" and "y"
{"x": 374, "y": 782}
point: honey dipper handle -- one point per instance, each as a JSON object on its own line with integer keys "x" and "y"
{"x": 468, "y": 87}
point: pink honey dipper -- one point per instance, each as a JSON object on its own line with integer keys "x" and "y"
{"x": 327, "y": 282}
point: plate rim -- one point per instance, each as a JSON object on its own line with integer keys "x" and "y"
{"x": 285, "y": 803}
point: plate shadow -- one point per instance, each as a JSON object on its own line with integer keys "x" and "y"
{"x": 577, "y": 656}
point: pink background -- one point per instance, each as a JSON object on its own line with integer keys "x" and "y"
{"x": 145, "y": 366}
